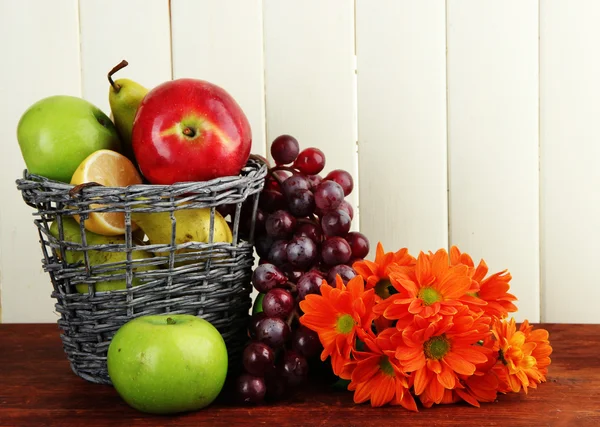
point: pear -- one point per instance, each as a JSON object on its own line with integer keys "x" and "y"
{"x": 193, "y": 225}
{"x": 124, "y": 97}
{"x": 72, "y": 233}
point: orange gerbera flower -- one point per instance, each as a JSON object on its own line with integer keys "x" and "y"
{"x": 377, "y": 273}
{"x": 432, "y": 287}
{"x": 493, "y": 290}
{"x": 338, "y": 315}
{"x": 439, "y": 350}
{"x": 524, "y": 355}
{"x": 376, "y": 374}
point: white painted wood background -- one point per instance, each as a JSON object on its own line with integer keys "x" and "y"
{"x": 466, "y": 122}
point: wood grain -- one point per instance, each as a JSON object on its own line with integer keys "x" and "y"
{"x": 37, "y": 388}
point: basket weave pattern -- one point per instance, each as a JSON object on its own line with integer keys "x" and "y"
{"x": 210, "y": 280}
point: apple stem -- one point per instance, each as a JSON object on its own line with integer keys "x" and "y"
{"x": 189, "y": 132}
{"x": 116, "y": 68}
{"x": 170, "y": 321}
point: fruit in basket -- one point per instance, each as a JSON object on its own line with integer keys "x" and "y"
{"x": 72, "y": 233}
{"x": 124, "y": 97}
{"x": 110, "y": 169}
{"x": 306, "y": 240}
{"x": 190, "y": 130}
{"x": 169, "y": 363}
{"x": 57, "y": 133}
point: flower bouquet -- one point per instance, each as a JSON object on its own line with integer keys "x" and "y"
{"x": 434, "y": 328}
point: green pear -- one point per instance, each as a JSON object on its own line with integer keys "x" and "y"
{"x": 72, "y": 233}
{"x": 124, "y": 97}
{"x": 193, "y": 225}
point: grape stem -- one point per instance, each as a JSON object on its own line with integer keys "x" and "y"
{"x": 275, "y": 177}
{"x": 291, "y": 286}
{"x": 284, "y": 168}
{"x": 293, "y": 315}
{"x": 307, "y": 221}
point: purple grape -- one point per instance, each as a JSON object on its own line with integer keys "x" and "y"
{"x": 294, "y": 183}
{"x": 291, "y": 272}
{"x": 309, "y": 283}
{"x": 301, "y": 203}
{"x": 343, "y": 178}
{"x": 280, "y": 225}
{"x": 306, "y": 342}
{"x": 271, "y": 201}
{"x": 267, "y": 277}
{"x": 344, "y": 271}
{"x": 254, "y": 321}
{"x": 250, "y": 389}
{"x": 336, "y": 223}
{"x": 310, "y": 230}
{"x": 301, "y": 252}
{"x": 294, "y": 368}
{"x": 278, "y": 303}
{"x": 314, "y": 181}
{"x": 278, "y": 254}
{"x": 359, "y": 244}
{"x": 335, "y": 250}
{"x": 284, "y": 149}
{"x": 263, "y": 245}
{"x": 273, "y": 332}
{"x": 328, "y": 195}
{"x": 258, "y": 359}
{"x": 346, "y": 207}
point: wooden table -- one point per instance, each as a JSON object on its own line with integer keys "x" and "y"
{"x": 38, "y": 388}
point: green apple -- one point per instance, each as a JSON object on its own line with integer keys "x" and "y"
{"x": 165, "y": 364}
{"x": 57, "y": 133}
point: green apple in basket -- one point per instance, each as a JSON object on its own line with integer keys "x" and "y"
{"x": 72, "y": 233}
{"x": 56, "y": 133}
{"x": 166, "y": 364}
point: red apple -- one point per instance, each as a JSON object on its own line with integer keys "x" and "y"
{"x": 190, "y": 130}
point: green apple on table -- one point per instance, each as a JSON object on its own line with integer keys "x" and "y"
{"x": 57, "y": 133}
{"x": 167, "y": 363}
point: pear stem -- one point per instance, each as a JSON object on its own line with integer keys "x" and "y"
{"x": 170, "y": 321}
{"x": 116, "y": 68}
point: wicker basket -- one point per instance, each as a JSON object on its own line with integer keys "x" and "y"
{"x": 210, "y": 280}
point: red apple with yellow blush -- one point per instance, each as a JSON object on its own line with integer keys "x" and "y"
{"x": 190, "y": 130}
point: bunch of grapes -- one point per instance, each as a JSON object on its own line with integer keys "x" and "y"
{"x": 302, "y": 238}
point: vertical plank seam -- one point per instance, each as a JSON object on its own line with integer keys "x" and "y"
{"x": 171, "y": 38}
{"x": 80, "y": 44}
{"x": 542, "y": 309}
{"x": 448, "y": 194}
{"x": 355, "y": 119}
{"x": 262, "y": 5}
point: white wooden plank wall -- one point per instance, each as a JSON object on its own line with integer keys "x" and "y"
{"x": 467, "y": 122}
{"x": 402, "y": 123}
{"x": 493, "y": 139}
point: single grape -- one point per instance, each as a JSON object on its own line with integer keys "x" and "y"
{"x": 294, "y": 368}
{"x": 309, "y": 283}
{"x": 301, "y": 252}
{"x": 314, "y": 181}
{"x": 266, "y": 277}
{"x": 306, "y": 342}
{"x": 335, "y": 250}
{"x": 254, "y": 320}
{"x": 359, "y": 244}
{"x": 344, "y": 271}
{"x": 294, "y": 183}
{"x": 291, "y": 272}
{"x": 301, "y": 203}
{"x": 277, "y": 254}
{"x": 263, "y": 245}
{"x": 258, "y": 359}
{"x": 278, "y": 303}
{"x": 343, "y": 178}
{"x": 284, "y": 149}
{"x": 310, "y": 161}
{"x": 271, "y": 201}
{"x": 347, "y": 207}
{"x": 336, "y": 223}
{"x": 280, "y": 224}
{"x": 328, "y": 195}
{"x": 273, "y": 332}
{"x": 272, "y": 184}
{"x": 250, "y": 389}
{"x": 310, "y": 230}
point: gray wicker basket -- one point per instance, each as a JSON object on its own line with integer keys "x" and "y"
{"x": 210, "y": 280}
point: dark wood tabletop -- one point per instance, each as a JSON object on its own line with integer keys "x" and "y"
{"x": 38, "y": 388}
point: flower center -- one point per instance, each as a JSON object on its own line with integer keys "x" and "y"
{"x": 429, "y": 296}
{"x": 345, "y": 323}
{"x": 383, "y": 288}
{"x": 386, "y": 367}
{"x": 436, "y": 347}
